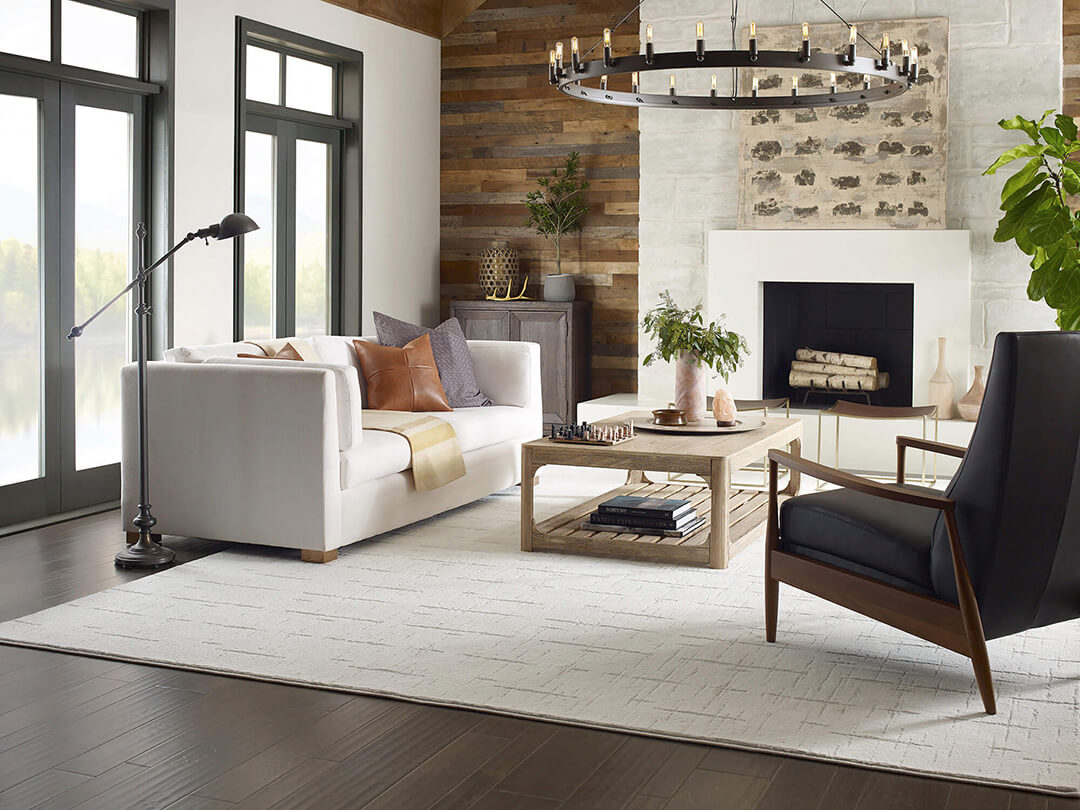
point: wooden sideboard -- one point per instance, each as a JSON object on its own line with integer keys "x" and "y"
{"x": 564, "y": 333}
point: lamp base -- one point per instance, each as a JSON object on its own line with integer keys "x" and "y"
{"x": 145, "y": 554}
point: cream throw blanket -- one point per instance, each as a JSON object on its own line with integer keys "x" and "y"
{"x": 436, "y": 453}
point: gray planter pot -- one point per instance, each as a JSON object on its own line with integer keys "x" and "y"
{"x": 559, "y": 287}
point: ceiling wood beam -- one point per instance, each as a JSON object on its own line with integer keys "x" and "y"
{"x": 436, "y": 18}
{"x": 455, "y": 12}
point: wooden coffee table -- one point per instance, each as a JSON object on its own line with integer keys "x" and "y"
{"x": 711, "y": 457}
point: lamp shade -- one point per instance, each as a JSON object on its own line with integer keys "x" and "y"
{"x": 234, "y": 225}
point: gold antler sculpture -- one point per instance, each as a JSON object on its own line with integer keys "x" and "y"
{"x": 519, "y": 297}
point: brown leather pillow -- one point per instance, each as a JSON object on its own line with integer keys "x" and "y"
{"x": 404, "y": 379}
{"x": 287, "y": 353}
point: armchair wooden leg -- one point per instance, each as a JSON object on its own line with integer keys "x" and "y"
{"x": 772, "y": 539}
{"x": 317, "y": 556}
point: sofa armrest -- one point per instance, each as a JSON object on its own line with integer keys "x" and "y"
{"x": 238, "y": 452}
{"x": 508, "y": 372}
{"x": 350, "y": 403}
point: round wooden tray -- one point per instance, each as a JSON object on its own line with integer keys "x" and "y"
{"x": 708, "y": 426}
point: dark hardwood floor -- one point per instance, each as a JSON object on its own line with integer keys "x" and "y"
{"x": 88, "y": 733}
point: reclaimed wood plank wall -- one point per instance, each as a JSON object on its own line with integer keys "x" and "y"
{"x": 503, "y": 126}
{"x": 1070, "y": 46}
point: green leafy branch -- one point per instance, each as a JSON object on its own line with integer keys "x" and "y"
{"x": 1037, "y": 216}
{"x": 679, "y": 330}
{"x": 557, "y": 206}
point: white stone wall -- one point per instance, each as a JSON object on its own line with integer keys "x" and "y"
{"x": 1005, "y": 58}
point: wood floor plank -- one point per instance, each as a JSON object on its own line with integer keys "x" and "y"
{"x": 977, "y": 797}
{"x": 437, "y": 776}
{"x": 669, "y": 778}
{"x": 90, "y": 788}
{"x": 504, "y": 800}
{"x": 562, "y": 764}
{"x": 621, "y": 775}
{"x": 891, "y": 791}
{"x": 286, "y": 784}
{"x": 797, "y": 783}
{"x": 707, "y": 790}
{"x": 39, "y": 789}
{"x": 744, "y": 763}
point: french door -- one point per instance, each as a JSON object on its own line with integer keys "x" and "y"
{"x": 71, "y": 189}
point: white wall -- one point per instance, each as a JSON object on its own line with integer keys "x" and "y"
{"x": 1005, "y": 58}
{"x": 401, "y": 157}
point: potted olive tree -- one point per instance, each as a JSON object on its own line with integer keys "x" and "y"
{"x": 1037, "y": 216}
{"x": 683, "y": 337}
{"x": 556, "y": 208}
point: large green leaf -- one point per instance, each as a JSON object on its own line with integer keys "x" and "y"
{"x": 1044, "y": 272}
{"x": 1017, "y": 152}
{"x": 1021, "y": 193}
{"x": 1067, "y": 126}
{"x": 1021, "y": 178}
{"x": 1048, "y": 225}
{"x": 1070, "y": 180}
{"x": 1064, "y": 289}
{"x": 1055, "y": 140}
{"x": 1019, "y": 122}
{"x": 1016, "y": 219}
{"x": 1069, "y": 317}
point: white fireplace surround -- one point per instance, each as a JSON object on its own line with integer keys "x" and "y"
{"x": 937, "y": 263}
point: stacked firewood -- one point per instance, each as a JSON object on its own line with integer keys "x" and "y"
{"x": 835, "y": 371}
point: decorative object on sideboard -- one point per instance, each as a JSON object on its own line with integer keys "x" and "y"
{"x": 836, "y": 372}
{"x": 683, "y": 338}
{"x": 971, "y": 403}
{"x": 557, "y": 205}
{"x": 669, "y": 417}
{"x": 500, "y": 271}
{"x": 1038, "y": 215}
{"x": 896, "y": 77}
{"x": 723, "y": 408}
{"x": 942, "y": 389}
{"x": 145, "y": 552}
{"x": 559, "y": 287}
{"x": 603, "y": 435}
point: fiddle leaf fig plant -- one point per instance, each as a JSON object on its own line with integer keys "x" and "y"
{"x": 1037, "y": 216}
{"x": 679, "y": 331}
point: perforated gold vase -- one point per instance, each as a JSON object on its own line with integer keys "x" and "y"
{"x": 500, "y": 270}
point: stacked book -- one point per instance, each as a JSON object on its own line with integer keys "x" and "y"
{"x": 667, "y": 517}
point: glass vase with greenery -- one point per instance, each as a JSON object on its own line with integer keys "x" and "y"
{"x": 682, "y": 336}
{"x": 557, "y": 206}
{"x": 1037, "y": 216}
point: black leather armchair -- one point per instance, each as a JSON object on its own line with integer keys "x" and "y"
{"x": 996, "y": 553}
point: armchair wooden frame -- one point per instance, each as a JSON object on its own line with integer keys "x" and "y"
{"x": 955, "y": 627}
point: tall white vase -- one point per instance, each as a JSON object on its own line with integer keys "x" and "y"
{"x": 942, "y": 389}
{"x": 690, "y": 379}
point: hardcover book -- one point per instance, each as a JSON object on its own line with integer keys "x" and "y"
{"x": 637, "y": 522}
{"x": 687, "y": 529}
{"x": 669, "y": 508}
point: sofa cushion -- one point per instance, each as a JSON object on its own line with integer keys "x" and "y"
{"x": 382, "y": 453}
{"x": 286, "y": 352}
{"x": 200, "y": 354}
{"x": 451, "y": 352}
{"x": 885, "y": 540}
{"x": 401, "y": 379}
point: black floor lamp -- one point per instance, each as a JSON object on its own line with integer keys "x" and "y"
{"x": 145, "y": 553}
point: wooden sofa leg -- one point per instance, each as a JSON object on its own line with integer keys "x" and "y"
{"x": 308, "y": 555}
{"x": 772, "y": 604}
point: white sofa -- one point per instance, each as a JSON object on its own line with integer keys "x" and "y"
{"x": 274, "y": 452}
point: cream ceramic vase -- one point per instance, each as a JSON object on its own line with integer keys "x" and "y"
{"x": 971, "y": 403}
{"x": 942, "y": 390}
{"x": 690, "y": 378}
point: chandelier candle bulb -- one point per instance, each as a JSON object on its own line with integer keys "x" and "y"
{"x": 712, "y": 89}
{"x": 853, "y": 37}
{"x": 671, "y": 87}
{"x": 607, "y": 46}
{"x": 905, "y": 66}
{"x": 754, "y": 88}
{"x": 558, "y": 57}
{"x": 634, "y": 83}
{"x": 832, "y": 82}
{"x": 866, "y": 81}
{"x": 795, "y": 85}
{"x": 805, "y": 54}
{"x": 603, "y": 82}
{"x": 575, "y": 55}
{"x": 648, "y": 44}
{"x": 551, "y": 68}
{"x": 753, "y": 41}
{"x": 700, "y": 41}
{"x": 913, "y": 74}
{"x": 886, "y": 59}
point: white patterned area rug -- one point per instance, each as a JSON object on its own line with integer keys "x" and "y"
{"x": 451, "y": 612}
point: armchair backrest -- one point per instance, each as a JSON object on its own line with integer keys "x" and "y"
{"x": 1018, "y": 488}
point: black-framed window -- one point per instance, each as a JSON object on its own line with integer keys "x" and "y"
{"x": 85, "y": 101}
{"x": 298, "y": 175}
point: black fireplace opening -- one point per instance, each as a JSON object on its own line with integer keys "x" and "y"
{"x": 849, "y": 318}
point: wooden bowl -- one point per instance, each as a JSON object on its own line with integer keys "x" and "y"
{"x": 669, "y": 417}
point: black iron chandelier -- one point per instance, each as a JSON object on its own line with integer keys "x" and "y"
{"x": 882, "y": 78}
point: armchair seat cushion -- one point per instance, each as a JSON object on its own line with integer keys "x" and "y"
{"x": 884, "y": 540}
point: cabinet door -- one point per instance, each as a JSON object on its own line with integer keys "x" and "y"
{"x": 484, "y": 324}
{"x": 549, "y": 329}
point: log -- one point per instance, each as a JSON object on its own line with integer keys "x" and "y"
{"x": 836, "y": 358}
{"x": 829, "y": 368}
{"x": 838, "y": 382}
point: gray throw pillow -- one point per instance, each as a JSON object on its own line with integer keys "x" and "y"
{"x": 451, "y": 356}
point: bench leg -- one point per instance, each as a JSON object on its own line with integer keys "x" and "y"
{"x": 308, "y": 555}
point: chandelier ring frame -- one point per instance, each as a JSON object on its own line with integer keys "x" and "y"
{"x": 896, "y": 82}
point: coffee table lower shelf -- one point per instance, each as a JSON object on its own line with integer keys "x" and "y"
{"x": 747, "y": 509}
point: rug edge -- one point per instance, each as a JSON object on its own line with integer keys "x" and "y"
{"x": 1045, "y": 790}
